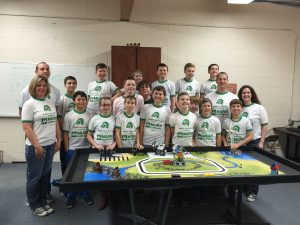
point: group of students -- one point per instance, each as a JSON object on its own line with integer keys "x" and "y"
{"x": 185, "y": 113}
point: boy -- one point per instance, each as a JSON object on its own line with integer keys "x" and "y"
{"x": 65, "y": 105}
{"x": 210, "y": 85}
{"x": 127, "y": 125}
{"x": 188, "y": 84}
{"x": 182, "y": 122}
{"x": 129, "y": 87}
{"x": 100, "y": 88}
{"x": 144, "y": 90}
{"x": 162, "y": 71}
{"x": 236, "y": 130}
{"x": 137, "y": 76}
{"x": 75, "y": 127}
{"x": 207, "y": 127}
{"x": 155, "y": 120}
{"x": 194, "y": 105}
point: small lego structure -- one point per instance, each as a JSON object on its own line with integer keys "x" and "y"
{"x": 167, "y": 162}
{"x": 97, "y": 168}
{"x": 159, "y": 149}
{"x": 179, "y": 159}
{"x": 275, "y": 168}
{"x": 235, "y": 152}
{"x": 241, "y": 165}
{"x": 116, "y": 172}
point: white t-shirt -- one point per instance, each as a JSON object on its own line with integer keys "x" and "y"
{"x": 65, "y": 105}
{"x": 118, "y": 105}
{"x": 236, "y": 130}
{"x": 208, "y": 87}
{"x": 220, "y": 104}
{"x": 191, "y": 87}
{"x": 183, "y": 125}
{"x": 76, "y": 125}
{"x": 97, "y": 90}
{"x": 156, "y": 118}
{"x": 206, "y": 130}
{"x": 128, "y": 125}
{"x": 170, "y": 90}
{"x": 53, "y": 96}
{"x": 42, "y": 114}
{"x": 103, "y": 129}
{"x": 258, "y": 117}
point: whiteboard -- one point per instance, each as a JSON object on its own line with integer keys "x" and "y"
{"x": 15, "y": 76}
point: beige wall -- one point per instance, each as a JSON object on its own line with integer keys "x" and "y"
{"x": 256, "y": 44}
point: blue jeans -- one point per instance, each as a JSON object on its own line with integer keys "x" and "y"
{"x": 72, "y": 195}
{"x": 38, "y": 175}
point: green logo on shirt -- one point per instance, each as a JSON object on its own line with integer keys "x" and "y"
{"x": 213, "y": 87}
{"x": 189, "y": 88}
{"x": 104, "y": 125}
{"x": 220, "y": 101}
{"x": 186, "y": 122}
{"x": 204, "y": 125}
{"x": 80, "y": 121}
{"x": 129, "y": 125}
{"x": 71, "y": 105}
{"x": 245, "y": 114}
{"x": 98, "y": 88}
{"x": 236, "y": 128}
{"x": 47, "y": 108}
{"x": 155, "y": 114}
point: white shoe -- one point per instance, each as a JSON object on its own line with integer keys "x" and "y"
{"x": 39, "y": 212}
{"x": 251, "y": 197}
{"x": 48, "y": 209}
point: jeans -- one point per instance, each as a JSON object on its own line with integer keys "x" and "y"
{"x": 38, "y": 175}
{"x": 72, "y": 195}
{"x": 62, "y": 156}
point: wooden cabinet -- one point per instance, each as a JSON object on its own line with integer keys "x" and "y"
{"x": 126, "y": 59}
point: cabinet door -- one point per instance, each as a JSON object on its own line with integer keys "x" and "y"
{"x": 147, "y": 60}
{"x": 123, "y": 63}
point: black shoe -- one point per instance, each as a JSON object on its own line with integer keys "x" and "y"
{"x": 70, "y": 203}
{"x": 88, "y": 200}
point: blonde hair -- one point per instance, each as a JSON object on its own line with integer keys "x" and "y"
{"x": 34, "y": 82}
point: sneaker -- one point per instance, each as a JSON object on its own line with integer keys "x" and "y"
{"x": 251, "y": 197}
{"x": 48, "y": 209}
{"x": 50, "y": 199}
{"x": 39, "y": 212}
{"x": 88, "y": 200}
{"x": 70, "y": 203}
{"x": 27, "y": 203}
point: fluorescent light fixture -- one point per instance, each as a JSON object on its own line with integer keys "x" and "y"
{"x": 239, "y": 1}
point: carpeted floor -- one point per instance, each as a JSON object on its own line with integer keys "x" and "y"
{"x": 277, "y": 204}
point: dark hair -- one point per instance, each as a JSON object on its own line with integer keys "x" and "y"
{"x": 222, "y": 73}
{"x": 159, "y": 88}
{"x": 37, "y": 65}
{"x": 162, "y": 65}
{"x": 79, "y": 93}
{"x": 254, "y": 97}
{"x": 236, "y": 102}
{"x": 182, "y": 93}
{"x": 211, "y": 65}
{"x": 203, "y": 101}
{"x": 188, "y": 65}
{"x": 130, "y": 97}
{"x": 69, "y": 78}
{"x": 128, "y": 78}
{"x": 142, "y": 83}
{"x": 195, "y": 99}
{"x": 101, "y": 66}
